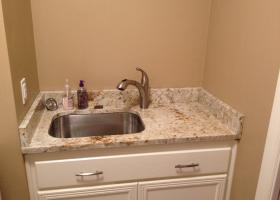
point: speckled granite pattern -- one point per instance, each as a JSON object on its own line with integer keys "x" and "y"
{"x": 29, "y": 124}
{"x": 175, "y": 116}
{"x": 223, "y": 112}
{"x": 130, "y": 97}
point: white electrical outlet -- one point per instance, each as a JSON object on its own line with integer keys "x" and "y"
{"x": 23, "y": 87}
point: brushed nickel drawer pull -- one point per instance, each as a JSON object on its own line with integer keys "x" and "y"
{"x": 187, "y": 166}
{"x": 82, "y": 174}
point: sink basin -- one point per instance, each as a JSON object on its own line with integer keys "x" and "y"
{"x": 96, "y": 124}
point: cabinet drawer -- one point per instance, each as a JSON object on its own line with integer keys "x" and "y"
{"x": 105, "y": 169}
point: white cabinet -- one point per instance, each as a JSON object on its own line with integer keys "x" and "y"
{"x": 158, "y": 173}
{"x": 198, "y": 188}
{"x": 202, "y": 188}
{"x": 109, "y": 192}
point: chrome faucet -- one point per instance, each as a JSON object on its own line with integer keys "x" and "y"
{"x": 142, "y": 87}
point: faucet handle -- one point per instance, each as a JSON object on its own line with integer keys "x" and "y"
{"x": 144, "y": 78}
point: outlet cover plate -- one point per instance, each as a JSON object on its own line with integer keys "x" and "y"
{"x": 23, "y": 87}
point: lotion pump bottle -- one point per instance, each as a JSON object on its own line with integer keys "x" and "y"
{"x": 82, "y": 96}
{"x": 68, "y": 100}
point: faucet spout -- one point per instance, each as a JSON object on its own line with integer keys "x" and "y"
{"x": 142, "y": 87}
{"x": 125, "y": 83}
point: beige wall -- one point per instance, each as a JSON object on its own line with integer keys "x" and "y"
{"x": 241, "y": 68}
{"x": 18, "y": 24}
{"x": 12, "y": 174}
{"x": 102, "y": 41}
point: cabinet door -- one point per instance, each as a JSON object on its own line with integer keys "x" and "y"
{"x": 198, "y": 188}
{"x": 108, "y": 192}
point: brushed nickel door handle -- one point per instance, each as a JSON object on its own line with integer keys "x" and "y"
{"x": 83, "y": 174}
{"x": 187, "y": 166}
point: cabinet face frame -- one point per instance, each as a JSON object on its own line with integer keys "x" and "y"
{"x": 31, "y": 158}
{"x": 109, "y": 190}
{"x": 219, "y": 181}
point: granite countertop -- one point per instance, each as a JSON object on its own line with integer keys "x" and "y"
{"x": 175, "y": 116}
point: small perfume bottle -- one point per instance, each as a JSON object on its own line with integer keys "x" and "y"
{"x": 68, "y": 99}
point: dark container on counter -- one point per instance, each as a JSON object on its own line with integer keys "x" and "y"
{"x": 82, "y": 96}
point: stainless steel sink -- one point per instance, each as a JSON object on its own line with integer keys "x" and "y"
{"x": 96, "y": 124}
